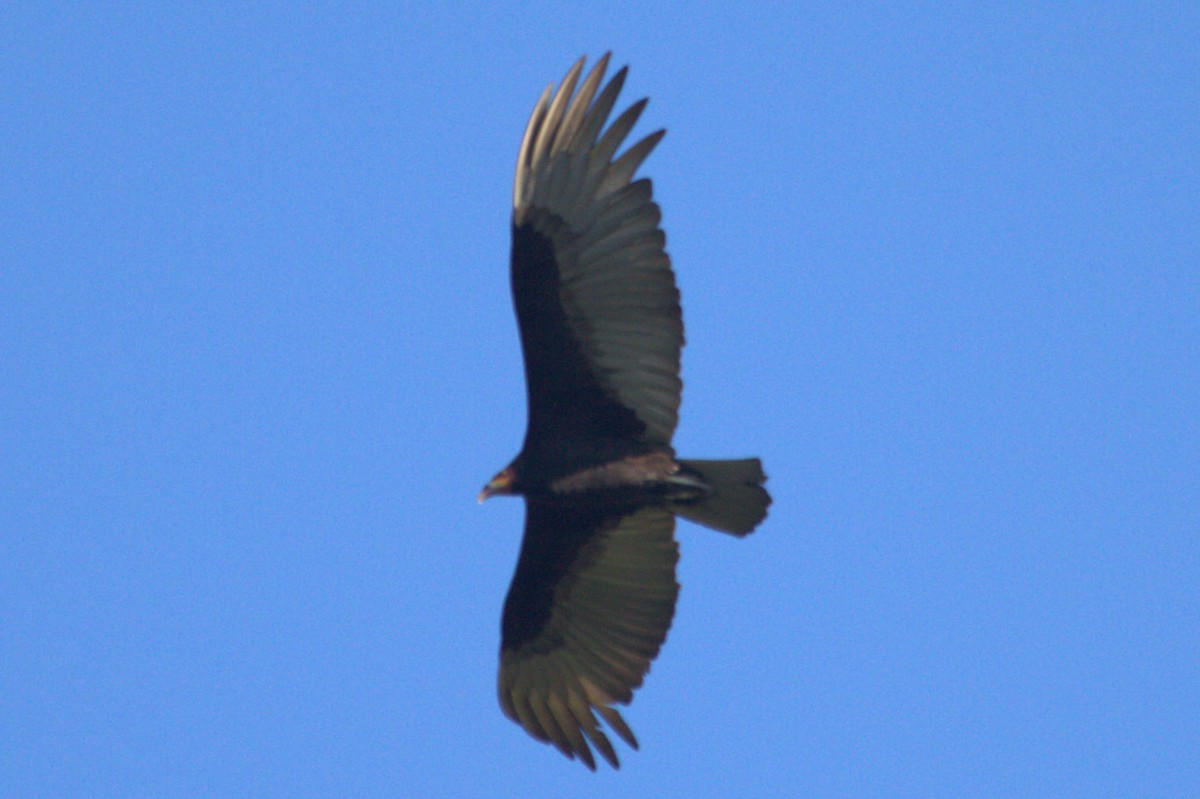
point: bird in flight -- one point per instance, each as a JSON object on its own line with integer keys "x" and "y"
{"x": 601, "y": 332}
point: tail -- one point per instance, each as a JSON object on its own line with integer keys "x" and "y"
{"x": 733, "y": 499}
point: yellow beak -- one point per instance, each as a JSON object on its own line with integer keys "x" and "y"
{"x": 500, "y": 484}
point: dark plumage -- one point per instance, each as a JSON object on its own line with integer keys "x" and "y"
{"x": 601, "y": 333}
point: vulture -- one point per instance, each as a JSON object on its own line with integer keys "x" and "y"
{"x": 601, "y": 332}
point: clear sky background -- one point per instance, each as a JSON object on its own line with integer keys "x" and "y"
{"x": 940, "y": 270}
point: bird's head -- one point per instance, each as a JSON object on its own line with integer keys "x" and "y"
{"x": 503, "y": 483}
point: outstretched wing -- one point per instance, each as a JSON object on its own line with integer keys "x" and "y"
{"x": 588, "y": 609}
{"x": 596, "y": 301}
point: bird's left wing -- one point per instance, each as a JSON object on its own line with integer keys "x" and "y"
{"x": 589, "y": 607}
{"x": 596, "y": 301}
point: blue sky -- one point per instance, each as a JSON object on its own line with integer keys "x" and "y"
{"x": 940, "y": 270}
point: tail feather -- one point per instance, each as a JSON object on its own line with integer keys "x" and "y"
{"x": 734, "y": 501}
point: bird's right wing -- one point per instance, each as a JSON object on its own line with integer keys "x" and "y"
{"x": 596, "y": 301}
{"x": 589, "y": 607}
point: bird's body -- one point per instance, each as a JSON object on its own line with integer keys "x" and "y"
{"x": 601, "y": 333}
